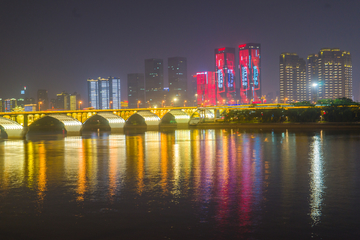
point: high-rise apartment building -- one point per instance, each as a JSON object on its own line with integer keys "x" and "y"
{"x": 250, "y": 72}
{"x": 330, "y": 74}
{"x": 206, "y": 89}
{"x": 154, "y": 81}
{"x": 225, "y": 75}
{"x": 177, "y": 72}
{"x": 42, "y": 99}
{"x": 293, "y": 85}
{"x": 136, "y": 90}
{"x": 104, "y": 93}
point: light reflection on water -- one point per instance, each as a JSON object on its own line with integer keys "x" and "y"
{"x": 317, "y": 184}
{"x": 222, "y": 182}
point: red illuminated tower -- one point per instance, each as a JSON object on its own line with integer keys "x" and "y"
{"x": 250, "y": 73}
{"x": 225, "y": 75}
{"x": 206, "y": 92}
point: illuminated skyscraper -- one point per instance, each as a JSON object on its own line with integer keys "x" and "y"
{"x": 177, "y": 71}
{"x": 93, "y": 93}
{"x": 330, "y": 74}
{"x": 225, "y": 75}
{"x": 154, "y": 81}
{"x": 250, "y": 72}
{"x": 293, "y": 86}
{"x": 206, "y": 88}
{"x": 115, "y": 93}
{"x": 104, "y": 93}
{"x": 136, "y": 90}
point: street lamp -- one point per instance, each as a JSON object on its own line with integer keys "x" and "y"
{"x": 138, "y": 103}
{"x": 40, "y": 105}
{"x": 315, "y": 91}
{"x": 185, "y": 103}
{"x": 80, "y": 102}
{"x": 163, "y": 103}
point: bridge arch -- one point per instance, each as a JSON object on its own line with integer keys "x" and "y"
{"x": 10, "y": 129}
{"x": 57, "y": 123}
{"x": 145, "y": 119}
{"x": 105, "y": 121}
{"x": 177, "y": 118}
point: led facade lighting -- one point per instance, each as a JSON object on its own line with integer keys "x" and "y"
{"x": 225, "y": 75}
{"x": 250, "y": 73}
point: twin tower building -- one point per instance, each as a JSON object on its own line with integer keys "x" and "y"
{"x": 221, "y": 88}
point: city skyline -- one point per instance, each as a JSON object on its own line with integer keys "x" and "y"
{"x": 58, "y": 45}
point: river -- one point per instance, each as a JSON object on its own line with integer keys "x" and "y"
{"x": 182, "y": 184}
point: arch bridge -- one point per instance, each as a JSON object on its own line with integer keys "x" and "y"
{"x": 116, "y": 119}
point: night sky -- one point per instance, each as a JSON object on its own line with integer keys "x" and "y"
{"x": 57, "y": 45}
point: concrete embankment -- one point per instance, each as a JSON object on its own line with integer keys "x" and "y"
{"x": 278, "y": 125}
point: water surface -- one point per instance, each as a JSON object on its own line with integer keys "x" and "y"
{"x": 194, "y": 184}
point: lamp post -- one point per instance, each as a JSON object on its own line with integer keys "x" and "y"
{"x": 80, "y": 102}
{"x": 175, "y": 100}
{"x": 40, "y": 105}
{"x": 163, "y": 103}
{"x": 138, "y": 103}
{"x": 185, "y": 103}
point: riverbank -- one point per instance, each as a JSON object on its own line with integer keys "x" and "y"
{"x": 339, "y": 125}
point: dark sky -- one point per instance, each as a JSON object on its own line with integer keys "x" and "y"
{"x": 57, "y": 45}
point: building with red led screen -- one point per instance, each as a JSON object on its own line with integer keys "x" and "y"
{"x": 250, "y": 73}
{"x": 225, "y": 75}
{"x": 206, "y": 88}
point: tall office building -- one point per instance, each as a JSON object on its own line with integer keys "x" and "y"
{"x": 104, "y": 93}
{"x": 10, "y": 104}
{"x": 250, "y": 72}
{"x": 154, "y": 81}
{"x": 330, "y": 74}
{"x": 206, "y": 89}
{"x": 115, "y": 93}
{"x": 136, "y": 90}
{"x": 225, "y": 75}
{"x": 293, "y": 85}
{"x": 93, "y": 93}
{"x": 177, "y": 72}
{"x": 62, "y": 101}
{"x": 42, "y": 96}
